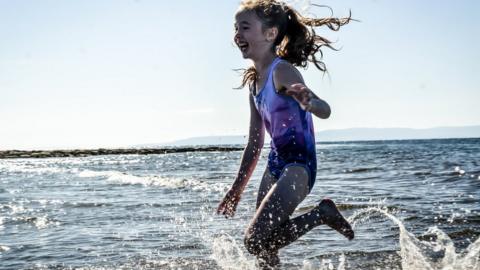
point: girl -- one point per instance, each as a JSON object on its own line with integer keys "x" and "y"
{"x": 277, "y": 39}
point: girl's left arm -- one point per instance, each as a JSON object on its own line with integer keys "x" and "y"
{"x": 289, "y": 81}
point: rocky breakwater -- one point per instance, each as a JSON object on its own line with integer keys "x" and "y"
{"x": 101, "y": 151}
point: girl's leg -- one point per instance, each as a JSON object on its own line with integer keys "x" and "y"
{"x": 267, "y": 182}
{"x": 325, "y": 213}
{"x": 271, "y": 228}
{"x": 268, "y": 259}
{"x": 276, "y": 207}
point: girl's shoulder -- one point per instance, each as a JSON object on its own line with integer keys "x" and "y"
{"x": 286, "y": 74}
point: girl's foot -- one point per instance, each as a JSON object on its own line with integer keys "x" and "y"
{"x": 330, "y": 215}
{"x": 268, "y": 261}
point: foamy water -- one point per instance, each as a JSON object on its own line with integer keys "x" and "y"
{"x": 415, "y": 205}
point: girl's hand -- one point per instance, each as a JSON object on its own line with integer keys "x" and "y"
{"x": 229, "y": 204}
{"x": 301, "y": 94}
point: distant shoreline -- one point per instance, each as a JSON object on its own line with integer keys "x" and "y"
{"x": 10, "y": 154}
{"x": 14, "y": 154}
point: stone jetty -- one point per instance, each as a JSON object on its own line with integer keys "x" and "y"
{"x": 121, "y": 151}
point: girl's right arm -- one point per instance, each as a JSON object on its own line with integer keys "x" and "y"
{"x": 249, "y": 160}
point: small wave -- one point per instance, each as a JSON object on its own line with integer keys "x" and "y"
{"x": 167, "y": 182}
{"x": 362, "y": 170}
{"x": 465, "y": 233}
{"x": 40, "y": 222}
{"x": 422, "y": 173}
{"x": 14, "y": 209}
{"x": 448, "y": 164}
{"x": 30, "y": 169}
{"x": 86, "y": 204}
{"x": 4, "y": 248}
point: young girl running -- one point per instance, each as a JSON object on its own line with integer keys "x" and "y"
{"x": 278, "y": 39}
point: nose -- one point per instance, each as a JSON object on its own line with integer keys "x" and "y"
{"x": 236, "y": 36}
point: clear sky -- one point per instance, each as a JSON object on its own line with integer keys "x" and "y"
{"x": 119, "y": 73}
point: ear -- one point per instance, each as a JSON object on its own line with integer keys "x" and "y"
{"x": 271, "y": 34}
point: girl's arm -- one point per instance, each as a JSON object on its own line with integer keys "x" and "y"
{"x": 309, "y": 101}
{"x": 249, "y": 160}
{"x": 289, "y": 81}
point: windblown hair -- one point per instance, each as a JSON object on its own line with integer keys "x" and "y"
{"x": 296, "y": 41}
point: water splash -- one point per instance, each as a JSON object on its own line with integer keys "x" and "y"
{"x": 325, "y": 264}
{"x": 228, "y": 255}
{"x": 418, "y": 254}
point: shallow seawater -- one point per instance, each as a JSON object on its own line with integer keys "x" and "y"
{"x": 414, "y": 205}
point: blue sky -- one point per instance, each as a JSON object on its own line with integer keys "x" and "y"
{"x": 119, "y": 73}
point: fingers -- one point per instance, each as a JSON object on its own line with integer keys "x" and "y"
{"x": 298, "y": 90}
{"x": 297, "y": 87}
{"x": 302, "y": 94}
{"x": 227, "y": 212}
{"x": 220, "y": 208}
{"x": 307, "y": 98}
{"x": 226, "y": 208}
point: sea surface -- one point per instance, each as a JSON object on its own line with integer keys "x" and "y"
{"x": 414, "y": 205}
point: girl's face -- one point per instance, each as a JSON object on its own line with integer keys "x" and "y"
{"x": 250, "y": 36}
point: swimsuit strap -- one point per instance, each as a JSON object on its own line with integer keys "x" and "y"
{"x": 269, "y": 76}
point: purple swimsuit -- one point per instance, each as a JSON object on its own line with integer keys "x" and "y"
{"x": 290, "y": 127}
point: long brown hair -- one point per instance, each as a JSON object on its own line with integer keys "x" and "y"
{"x": 296, "y": 41}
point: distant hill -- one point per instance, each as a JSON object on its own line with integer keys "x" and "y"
{"x": 351, "y": 134}
{"x": 211, "y": 140}
{"x": 367, "y": 134}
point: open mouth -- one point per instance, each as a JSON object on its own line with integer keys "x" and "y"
{"x": 243, "y": 46}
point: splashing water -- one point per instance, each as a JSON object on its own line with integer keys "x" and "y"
{"x": 418, "y": 254}
{"x": 325, "y": 264}
{"x": 439, "y": 254}
{"x": 229, "y": 255}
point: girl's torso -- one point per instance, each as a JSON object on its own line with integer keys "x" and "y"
{"x": 290, "y": 127}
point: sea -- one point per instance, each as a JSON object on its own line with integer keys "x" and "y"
{"x": 414, "y": 204}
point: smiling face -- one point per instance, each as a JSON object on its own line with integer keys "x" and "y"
{"x": 251, "y": 37}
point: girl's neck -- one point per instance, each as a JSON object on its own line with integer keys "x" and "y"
{"x": 262, "y": 64}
